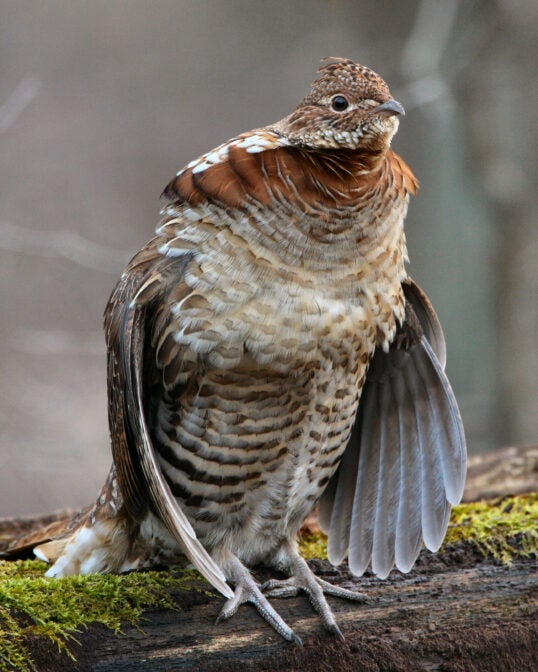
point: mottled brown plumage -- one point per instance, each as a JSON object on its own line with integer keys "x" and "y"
{"x": 239, "y": 342}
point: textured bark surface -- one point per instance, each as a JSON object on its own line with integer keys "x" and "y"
{"x": 454, "y": 612}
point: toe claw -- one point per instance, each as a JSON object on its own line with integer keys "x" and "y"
{"x": 223, "y": 616}
{"x": 295, "y": 638}
{"x": 227, "y": 611}
{"x": 335, "y": 630}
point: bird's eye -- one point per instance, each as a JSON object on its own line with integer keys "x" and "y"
{"x": 339, "y": 103}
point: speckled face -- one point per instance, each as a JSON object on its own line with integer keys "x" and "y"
{"x": 349, "y": 107}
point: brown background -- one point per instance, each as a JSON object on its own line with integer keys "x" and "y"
{"x": 102, "y": 102}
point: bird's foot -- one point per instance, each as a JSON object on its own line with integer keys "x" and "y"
{"x": 303, "y": 579}
{"x": 247, "y": 590}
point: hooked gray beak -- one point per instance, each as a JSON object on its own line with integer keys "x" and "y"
{"x": 390, "y": 107}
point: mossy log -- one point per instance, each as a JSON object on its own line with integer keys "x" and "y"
{"x": 472, "y": 606}
{"x": 456, "y": 611}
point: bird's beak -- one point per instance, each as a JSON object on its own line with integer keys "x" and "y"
{"x": 390, "y": 107}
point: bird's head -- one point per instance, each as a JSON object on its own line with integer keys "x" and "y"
{"x": 348, "y": 107}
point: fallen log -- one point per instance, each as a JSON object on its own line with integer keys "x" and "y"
{"x": 455, "y": 611}
{"x": 473, "y": 606}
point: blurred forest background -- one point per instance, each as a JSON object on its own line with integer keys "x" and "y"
{"x": 102, "y": 102}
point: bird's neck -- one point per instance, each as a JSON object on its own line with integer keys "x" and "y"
{"x": 318, "y": 211}
{"x": 335, "y": 207}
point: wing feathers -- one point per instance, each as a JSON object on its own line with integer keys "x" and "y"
{"x": 139, "y": 474}
{"x": 405, "y": 462}
{"x": 326, "y": 503}
{"x": 444, "y": 409}
{"x": 364, "y": 499}
{"x": 428, "y": 319}
{"x": 408, "y": 523}
{"x": 387, "y": 488}
{"x": 161, "y": 497}
{"x": 340, "y": 512}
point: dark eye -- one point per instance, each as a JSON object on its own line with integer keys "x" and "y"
{"x": 339, "y": 103}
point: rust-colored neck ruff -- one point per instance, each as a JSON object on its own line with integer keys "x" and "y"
{"x": 327, "y": 183}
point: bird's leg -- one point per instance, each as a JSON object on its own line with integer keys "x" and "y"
{"x": 247, "y": 590}
{"x": 300, "y": 578}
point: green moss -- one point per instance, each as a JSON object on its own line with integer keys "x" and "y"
{"x": 57, "y": 609}
{"x": 503, "y": 528}
{"x": 313, "y": 546}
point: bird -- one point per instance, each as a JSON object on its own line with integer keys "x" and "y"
{"x": 268, "y": 352}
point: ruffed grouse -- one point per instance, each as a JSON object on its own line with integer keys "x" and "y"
{"x": 240, "y": 340}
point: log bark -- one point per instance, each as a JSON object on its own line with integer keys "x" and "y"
{"x": 455, "y": 611}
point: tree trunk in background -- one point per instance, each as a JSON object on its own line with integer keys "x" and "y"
{"x": 471, "y": 70}
{"x": 501, "y": 94}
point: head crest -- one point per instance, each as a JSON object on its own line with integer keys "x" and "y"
{"x": 342, "y": 72}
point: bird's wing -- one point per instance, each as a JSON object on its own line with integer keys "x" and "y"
{"x": 127, "y": 323}
{"x": 427, "y": 317}
{"x": 405, "y": 462}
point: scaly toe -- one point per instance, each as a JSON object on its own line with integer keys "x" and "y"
{"x": 344, "y": 593}
{"x": 302, "y": 578}
{"x": 279, "y": 588}
{"x": 247, "y": 590}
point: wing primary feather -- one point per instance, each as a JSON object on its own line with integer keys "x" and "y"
{"x": 434, "y": 505}
{"x": 364, "y": 501}
{"x": 387, "y": 483}
{"x": 408, "y": 524}
{"x": 342, "y": 501}
{"x": 450, "y": 444}
{"x": 160, "y": 495}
